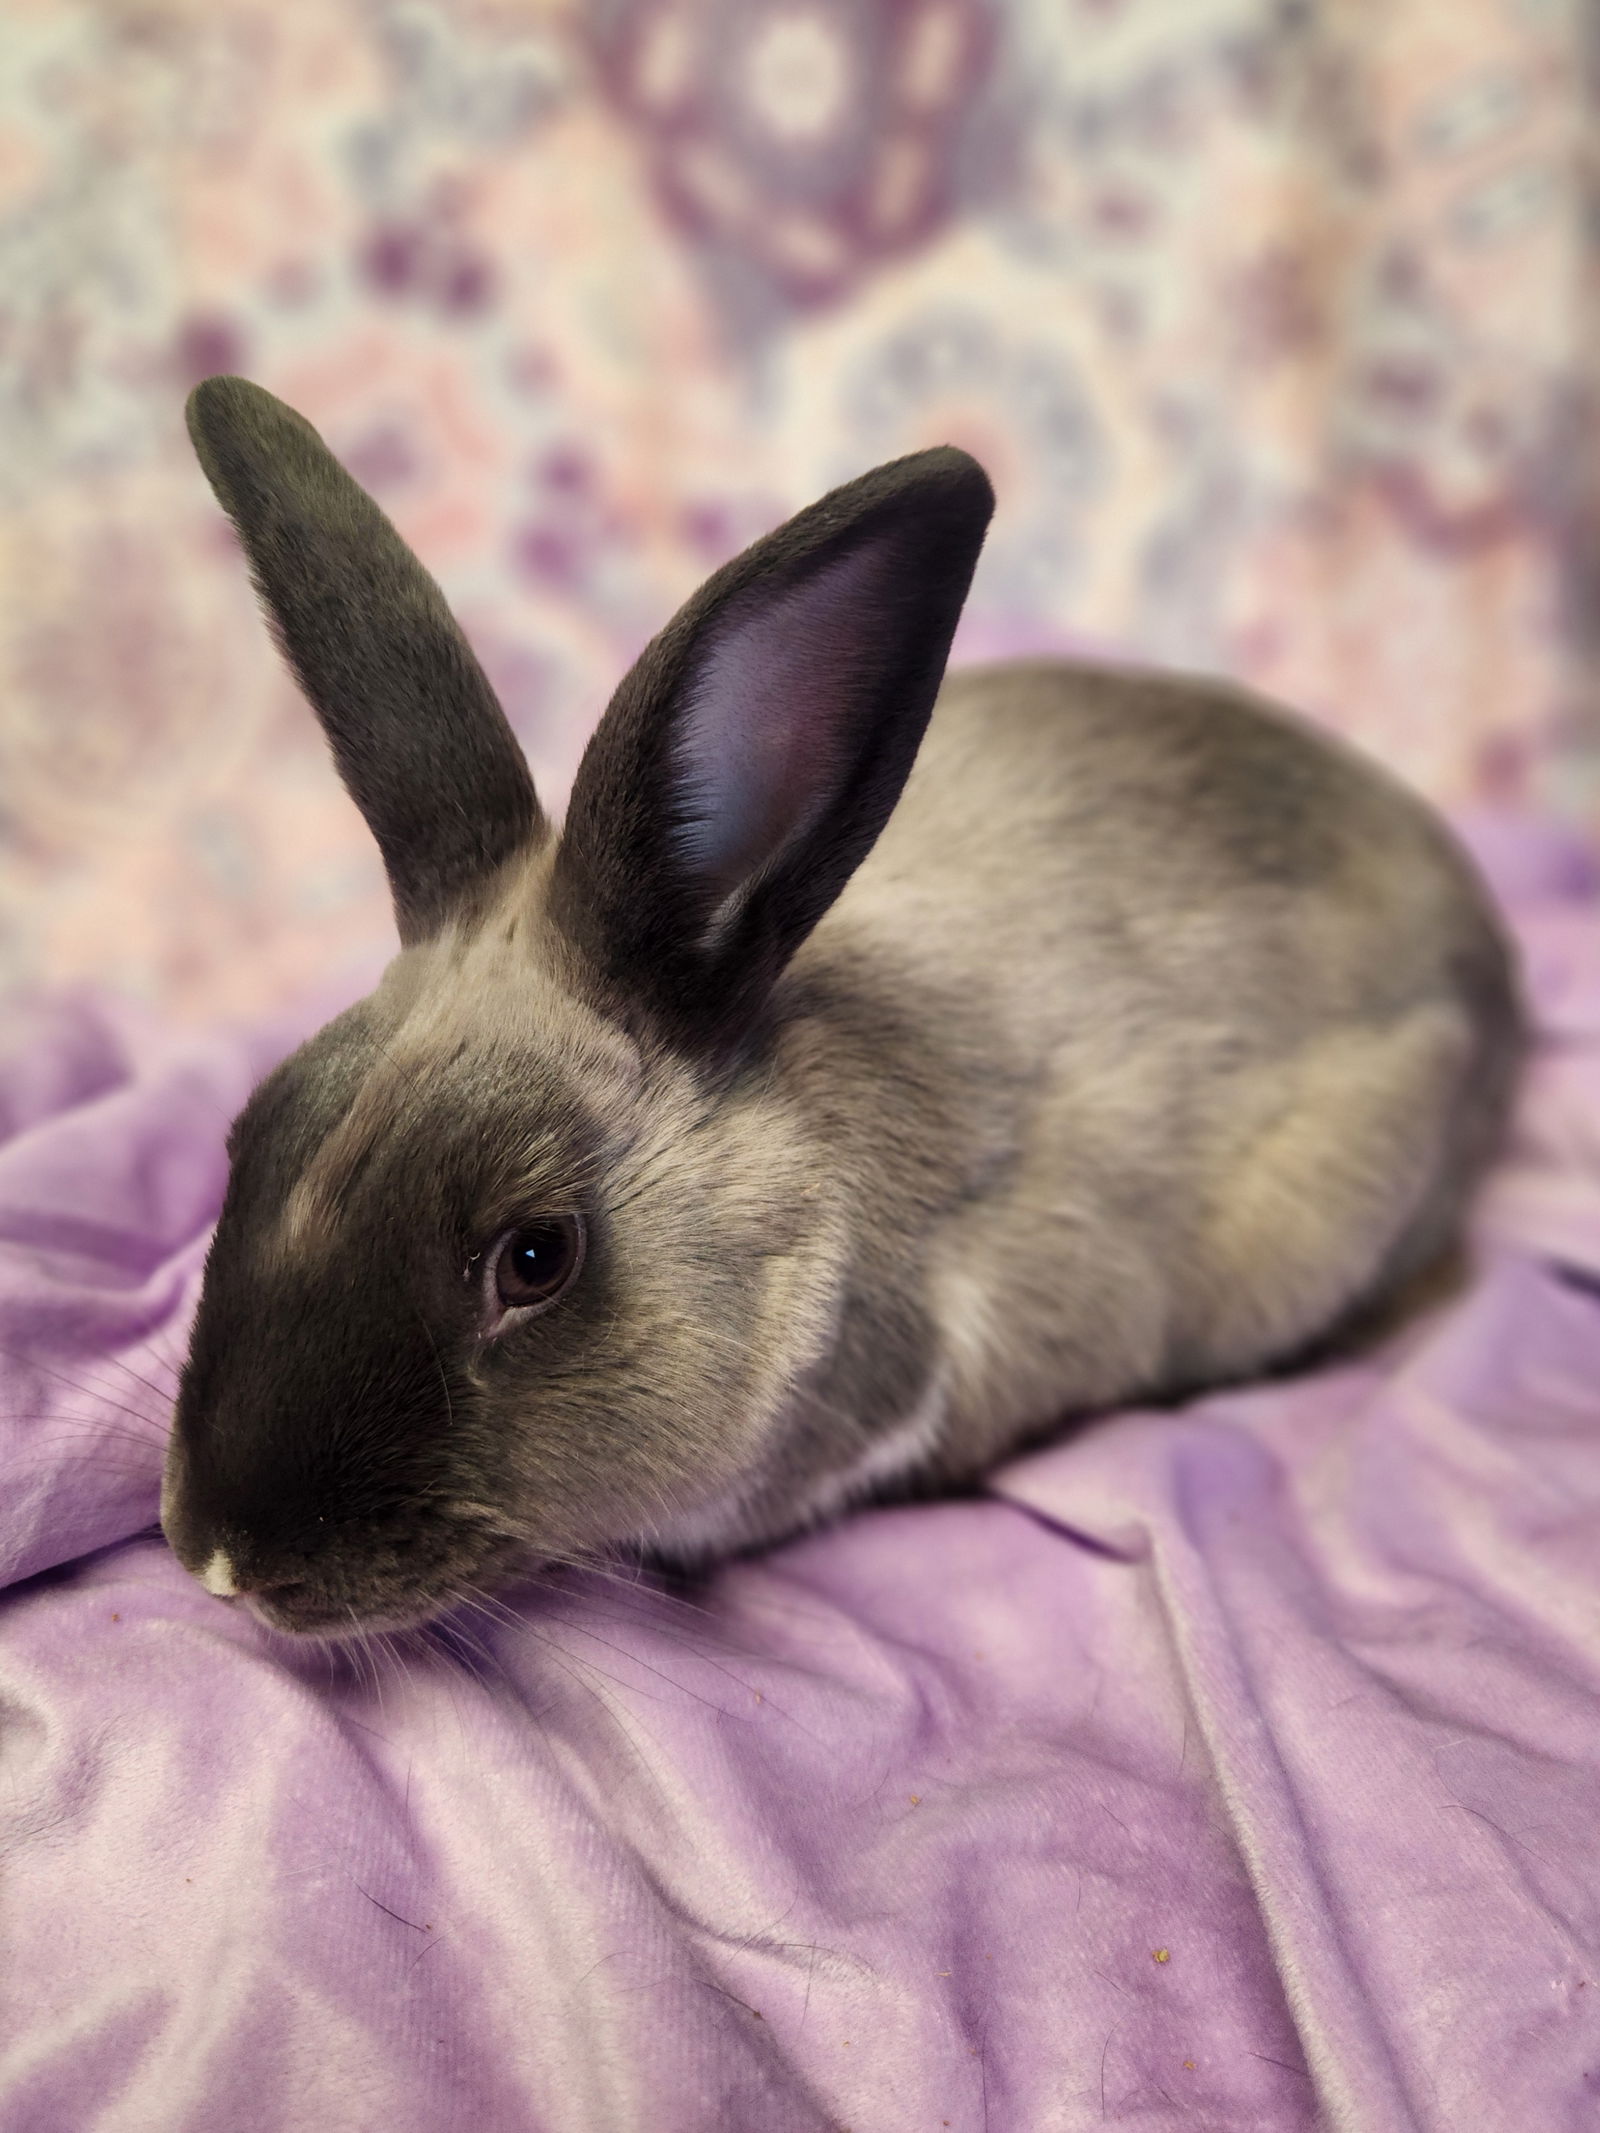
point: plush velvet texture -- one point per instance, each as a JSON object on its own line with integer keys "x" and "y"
{"x": 1235, "y": 1767}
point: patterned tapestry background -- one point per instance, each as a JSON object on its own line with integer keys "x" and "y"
{"x": 1274, "y": 321}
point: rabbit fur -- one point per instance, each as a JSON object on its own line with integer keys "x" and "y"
{"x": 908, "y": 1084}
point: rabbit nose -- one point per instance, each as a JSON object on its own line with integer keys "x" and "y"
{"x": 221, "y": 1579}
{"x": 218, "y": 1578}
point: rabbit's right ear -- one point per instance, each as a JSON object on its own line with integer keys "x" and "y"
{"x": 420, "y": 741}
{"x": 748, "y": 762}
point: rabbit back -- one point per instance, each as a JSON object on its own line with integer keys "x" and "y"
{"x": 1222, "y": 1025}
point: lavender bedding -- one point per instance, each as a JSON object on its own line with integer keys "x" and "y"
{"x": 1229, "y": 1768}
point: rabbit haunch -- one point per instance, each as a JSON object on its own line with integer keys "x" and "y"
{"x": 922, "y": 1074}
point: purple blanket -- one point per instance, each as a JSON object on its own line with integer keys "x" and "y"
{"x": 1230, "y": 1768}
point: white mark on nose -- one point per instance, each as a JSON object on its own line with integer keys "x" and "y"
{"x": 217, "y": 1577}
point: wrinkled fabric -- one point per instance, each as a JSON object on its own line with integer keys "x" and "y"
{"x": 1230, "y": 1767}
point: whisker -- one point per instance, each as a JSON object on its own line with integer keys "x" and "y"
{"x": 567, "y": 1662}
{"x": 164, "y": 1395}
{"x": 92, "y": 1392}
{"x": 477, "y": 1602}
{"x": 87, "y": 1425}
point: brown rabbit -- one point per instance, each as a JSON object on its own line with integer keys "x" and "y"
{"x": 836, "y": 1101}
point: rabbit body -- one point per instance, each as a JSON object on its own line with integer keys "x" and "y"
{"x": 843, "y": 1097}
{"x": 1158, "y": 1035}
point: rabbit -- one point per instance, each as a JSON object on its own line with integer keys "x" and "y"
{"x": 876, "y": 1070}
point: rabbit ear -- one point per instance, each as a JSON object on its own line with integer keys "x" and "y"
{"x": 748, "y": 762}
{"x": 421, "y": 743}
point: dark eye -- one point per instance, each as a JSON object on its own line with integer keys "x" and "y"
{"x": 534, "y": 1264}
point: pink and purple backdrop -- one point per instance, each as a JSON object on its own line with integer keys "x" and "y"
{"x": 1274, "y": 323}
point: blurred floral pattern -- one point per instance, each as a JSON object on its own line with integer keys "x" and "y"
{"x": 1272, "y": 319}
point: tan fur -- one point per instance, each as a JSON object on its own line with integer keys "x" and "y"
{"x": 1328, "y": 1159}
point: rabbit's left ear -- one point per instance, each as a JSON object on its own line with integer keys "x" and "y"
{"x": 746, "y": 765}
{"x": 420, "y": 741}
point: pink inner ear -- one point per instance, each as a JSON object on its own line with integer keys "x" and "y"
{"x": 763, "y": 745}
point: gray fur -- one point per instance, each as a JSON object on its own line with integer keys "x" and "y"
{"x": 1157, "y": 1036}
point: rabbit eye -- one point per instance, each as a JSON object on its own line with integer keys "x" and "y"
{"x": 531, "y": 1266}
